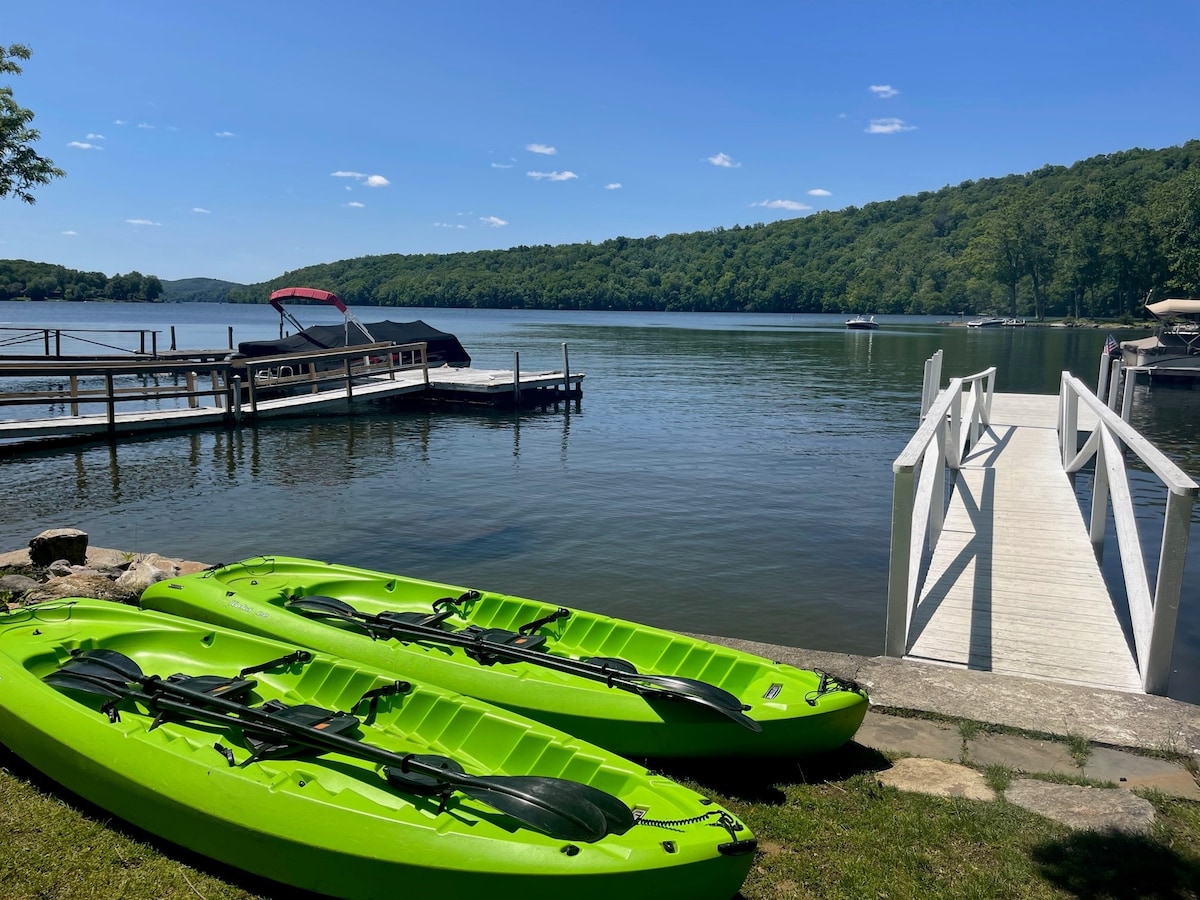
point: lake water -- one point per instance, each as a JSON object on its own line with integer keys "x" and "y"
{"x": 725, "y": 474}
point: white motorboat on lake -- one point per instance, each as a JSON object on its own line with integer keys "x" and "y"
{"x": 1176, "y": 345}
{"x": 862, "y": 323}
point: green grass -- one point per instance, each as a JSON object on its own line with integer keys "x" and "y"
{"x": 826, "y": 827}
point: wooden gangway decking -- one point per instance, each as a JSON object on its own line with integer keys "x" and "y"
{"x": 1013, "y": 585}
{"x": 994, "y": 557}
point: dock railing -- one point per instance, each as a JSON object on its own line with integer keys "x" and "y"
{"x": 1152, "y": 614}
{"x": 919, "y": 495}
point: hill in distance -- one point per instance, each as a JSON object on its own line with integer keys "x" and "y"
{"x": 197, "y": 290}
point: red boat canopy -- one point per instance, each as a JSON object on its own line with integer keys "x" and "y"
{"x": 307, "y": 294}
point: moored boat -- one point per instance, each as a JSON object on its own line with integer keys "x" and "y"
{"x": 987, "y": 322}
{"x": 1176, "y": 343}
{"x": 636, "y": 690}
{"x": 245, "y": 750}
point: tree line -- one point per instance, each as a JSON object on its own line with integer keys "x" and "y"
{"x": 1091, "y": 240}
{"x": 22, "y": 279}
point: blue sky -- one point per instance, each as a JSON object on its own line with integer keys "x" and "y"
{"x": 240, "y": 140}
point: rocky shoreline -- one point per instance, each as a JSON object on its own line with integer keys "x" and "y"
{"x": 59, "y": 563}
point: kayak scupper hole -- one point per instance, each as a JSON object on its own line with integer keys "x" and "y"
{"x": 208, "y": 639}
{"x": 669, "y": 846}
{"x": 570, "y": 850}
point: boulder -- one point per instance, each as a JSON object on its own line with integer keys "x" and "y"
{"x": 13, "y": 587}
{"x": 59, "y": 543}
{"x": 96, "y": 586}
{"x": 145, "y": 572}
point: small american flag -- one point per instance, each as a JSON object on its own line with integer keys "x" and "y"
{"x": 1111, "y": 347}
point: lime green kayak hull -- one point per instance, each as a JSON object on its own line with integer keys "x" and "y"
{"x": 331, "y": 823}
{"x": 800, "y": 711}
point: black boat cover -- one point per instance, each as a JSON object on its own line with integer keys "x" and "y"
{"x": 442, "y": 347}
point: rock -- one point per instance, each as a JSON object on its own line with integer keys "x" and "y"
{"x": 60, "y": 567}
{"x": 143, "y": 573}
{"x": 939, "y": 779}
{"x": 96, "y": 586}
{"x": 13, "y": 587}
{"x": 1084, "y": 808}
{"x": 59, "y": 543}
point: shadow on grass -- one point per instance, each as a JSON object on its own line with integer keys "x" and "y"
{"x": 761, "y": 780}
{"x": 237, "y": 878}
{"x": 1090, "y": 864}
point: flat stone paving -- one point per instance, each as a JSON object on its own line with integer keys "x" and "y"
{"x": 1134, "y": 741}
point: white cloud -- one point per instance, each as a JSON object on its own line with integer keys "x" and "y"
{"x": 615, "y": 186}
{"x": 457, "y": 225}
{"x": 82, "y": 145}
{"x": 143, "y": 222}
{"x": 373, "y": 181}
{"x": 544, "y": 149}
{"x": 888, "y": 126}
{"x": 725, "y": 161}
{"x": 70, "y": 232}
{"x": 793, "y": 205}
{"x": 120, "y": 122}
{"x": 199, "y": 209}
{"x": 552, "y": 176}
{"x": 502, "y": 165}
{"x": 224, "y": 134}
{"x": 145, "y": 125}
{"x": 494, "y": 221}
{"x": 354, "y": 204}
{"x": 820, "y": 192}
{"x": 95, "y": 137}
{"x": 883, "y": 91}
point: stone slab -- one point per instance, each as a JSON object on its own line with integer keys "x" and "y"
{"x": 937, "y": 779}
{"x": 1021, "y": 754}
{"x": 910, "y": 737}
{"x": 1083, "y": 808}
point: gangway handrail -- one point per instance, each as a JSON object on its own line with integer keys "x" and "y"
{"x": 919, "y": 504}
{"x": 1153, "y": 618}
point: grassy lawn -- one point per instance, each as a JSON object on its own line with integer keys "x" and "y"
{"x": 826, "y": 829}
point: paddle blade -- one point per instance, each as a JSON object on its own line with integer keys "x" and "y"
{"x": 566, "y": 810}
{"x": 106, "y": 665}
{"x": 81, "y": 684}
{"x": 322, "y": 606}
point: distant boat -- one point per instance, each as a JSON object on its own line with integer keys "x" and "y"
{"x": 862, "y": 323}
{"x": 1014, "y": 323}
{"x": 986, "y": 322}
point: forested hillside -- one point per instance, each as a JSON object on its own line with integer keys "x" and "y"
{"x": 1089, "y": 240}
{"x": 197, "y": 290}
{"x": 20, "y": 278}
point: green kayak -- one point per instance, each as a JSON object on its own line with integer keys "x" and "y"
{"x": 636, "y": 690}
{"x": 332, "y": 776}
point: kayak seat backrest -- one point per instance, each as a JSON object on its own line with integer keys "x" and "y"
{"x": 303, "y": 714}
{"x": 502, "y": 637}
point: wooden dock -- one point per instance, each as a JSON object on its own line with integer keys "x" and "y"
{"x": 1013, "y": 585}
{"x": 1000, "y": 572}
{"x": 228, "y": 401}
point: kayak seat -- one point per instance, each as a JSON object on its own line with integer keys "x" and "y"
{"x": 423, "y": 620}
{"x": 221, "y": 686}
{"x": 326, "y": 720}
{"x": 499, "y": 638}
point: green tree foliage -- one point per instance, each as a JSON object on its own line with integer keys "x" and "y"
{"x": 1089, "y": 240}
{"x": 20, "y": 278}
{"x": 20, "y": 166}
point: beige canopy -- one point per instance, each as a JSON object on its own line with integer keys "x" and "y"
{"x": 1166, "y": 309}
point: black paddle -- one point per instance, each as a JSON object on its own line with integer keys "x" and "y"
{"x": 666, "y": 687}
{"x": 563, "y": 809}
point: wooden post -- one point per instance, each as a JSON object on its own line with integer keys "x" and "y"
{"x": 142, "y": 341}
{"x": 191, "y": 386}
{"x": 74, "y": 393}
{"x": 566, "y": 373}
{"x": 903, "y": 486}
{"x": 1102, "y": 378}
{"x": 57, "y": 342}
{"x": 349, "y": 380}
{"x": 1156, "y": 670}
{"x": 231, "y": 337}
{"x": 46, "y": 339}
{"x": 312, "y": 377}
{"x": 236, "y": 400}
{"x": 516, "y": 378}
{"x": 173, "y": 347}
{"x": 111, "y": 400}
{"x": 253, "y": 391}
{"x": 154, "y": 344}
{"x": 216, "y": 389}
{"x": 1127, "y": 399}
